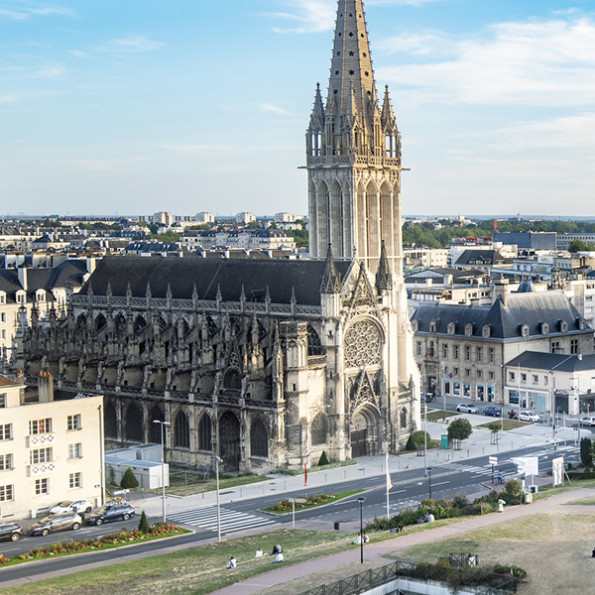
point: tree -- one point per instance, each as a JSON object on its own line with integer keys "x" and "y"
{"x": 577, "y": 246}
{"x": 129, "y": 481}
{"x": 458, "y": 430}
{"x": 416, "y": 440}
{"x": 586, "y": 452}
{"x": 323, "y": 460}
{"x": 494, "y": 427}
{"x": 143, "y": 524}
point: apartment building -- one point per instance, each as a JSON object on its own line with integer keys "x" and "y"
{"x": 49, "y": 450}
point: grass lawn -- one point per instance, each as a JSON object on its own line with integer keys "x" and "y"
{"x": 196, "y": 570}
{"x": 505, "y": 424}
{"x": 554, "y": 549}
{"x": 440, "y": 415}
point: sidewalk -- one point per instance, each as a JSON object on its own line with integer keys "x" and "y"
{"x": 478, "y": 444}
{"x": 319, "y": 570}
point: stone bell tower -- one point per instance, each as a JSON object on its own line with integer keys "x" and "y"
{"x": 353, "y": 153}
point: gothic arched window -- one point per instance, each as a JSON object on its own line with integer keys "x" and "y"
{"x": 181, "y": 431}
{"x": 205, "y": 433}
{"x": 259, "y": 443}
{"x": 314, "y": 346}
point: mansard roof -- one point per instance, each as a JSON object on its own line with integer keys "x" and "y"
{"x": 257, "y": 276}
{"x": 479, "y": 257}
{"x": 555, "y": 362}
{"x": 505, "y": 321}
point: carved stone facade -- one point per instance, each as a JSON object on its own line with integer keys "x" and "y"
{"x": 264, "y": 378}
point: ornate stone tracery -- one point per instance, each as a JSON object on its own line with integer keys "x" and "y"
{"x": 362, "y": 344}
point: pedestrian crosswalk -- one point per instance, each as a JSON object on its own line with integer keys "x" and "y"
{"x": 231, "y": 521}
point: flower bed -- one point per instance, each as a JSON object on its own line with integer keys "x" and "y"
{"x": 157, "y": 531}
{"x": 310, "y": 502}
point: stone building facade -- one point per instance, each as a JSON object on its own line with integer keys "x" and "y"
{"x": 462, "y": 350}
{"x": 265, "y": 363}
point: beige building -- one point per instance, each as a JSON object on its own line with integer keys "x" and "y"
{"x": 49, "y": 450}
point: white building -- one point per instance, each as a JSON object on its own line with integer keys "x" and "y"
{"x": 49, "y": 450}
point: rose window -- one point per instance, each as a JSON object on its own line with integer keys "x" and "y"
{"x": 362, "y": 345}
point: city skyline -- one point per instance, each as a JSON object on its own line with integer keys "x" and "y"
{"x": 111, "y": 108}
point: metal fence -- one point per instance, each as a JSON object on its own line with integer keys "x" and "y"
{"x": 374, "y": 577}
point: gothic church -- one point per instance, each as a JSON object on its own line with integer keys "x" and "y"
{"x": 266, "y": 363}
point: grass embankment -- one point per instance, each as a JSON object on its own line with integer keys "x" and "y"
{"x": 193, "y": 571}
{"x": 285, "y": 506}
{"x": 505, "y": 424}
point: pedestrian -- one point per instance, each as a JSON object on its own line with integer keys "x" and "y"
{"x": 500, "y": 479}
{"x": 232, "y": 563}
{"x": 258, "y": 553}
{"x": 278, "y": 558}
{"x": 277, "y": 549}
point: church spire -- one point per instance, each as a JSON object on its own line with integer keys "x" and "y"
{"x": 351, "y": 64}
{"x": 384, "y": 279}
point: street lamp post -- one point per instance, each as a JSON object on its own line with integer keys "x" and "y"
{"x": 430, "y": 483}
{"x": 425, "y": 438}
{"x": 361, "y": 501}
{"x": 217, "y": 461}
{"x": 162, "y": 424}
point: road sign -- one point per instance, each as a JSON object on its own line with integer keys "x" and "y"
{"x": 493, "y": 460}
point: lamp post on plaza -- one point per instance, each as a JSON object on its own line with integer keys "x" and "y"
{"x": 162, "y": 424}
{"x": 361, "y": 501}
{"x": 217, "y": 461}
{"x": 430, "y": 483}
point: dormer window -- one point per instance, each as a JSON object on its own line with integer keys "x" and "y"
{"x": 524, "y": 330}
{"x": 545, "y": 328}
{"x": 2, "y": 297}
{"x": 40, "y": 296}
{"x": 451, "y": 328}
{"x": 433, "y": 326}
{"x": 21, "y": 298}
{"x": 468, "y": 330}
{"x": 563, "y": 326}
{"x": 485, "y": 331}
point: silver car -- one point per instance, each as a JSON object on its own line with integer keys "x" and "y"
{"x": 57, "y": 522}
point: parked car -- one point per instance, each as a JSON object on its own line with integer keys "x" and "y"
{"x": 528, "y": 416}
{"x": 493, "y": 411}
{"x": 110, "y": 513}
{"x": 57, "y": 522}
{"x": 587, "y": 421}
{"x": 11, "y": 531}
{"x": 72, "y": 506}
{"x": 467, "y": 408}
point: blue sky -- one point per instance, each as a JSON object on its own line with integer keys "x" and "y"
{"x": 136, "y": 106}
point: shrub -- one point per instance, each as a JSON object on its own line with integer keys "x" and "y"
{"x": 586, "y": 452}
{"x": 514, "y": 570}
{"x": 143, "y": 524}
{"x": 416, "y": 440}
{"x": 323, "y": 460}
{"x": 129, "y": 481}
{"x": 513, "y": 492}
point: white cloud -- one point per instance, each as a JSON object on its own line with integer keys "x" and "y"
{"x": 21, "y": 11}
{"x": 132, "y": 44}
{"x": 547, "y": 63}
{"x": 307, "y": 16}
{"x": 274, "y": 109}
{"x": 569, "y": 132}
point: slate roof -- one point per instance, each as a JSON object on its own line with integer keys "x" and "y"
{"x": 505, "y": 322}
{"x": 475, "y": 257}
{"x": 229, "y": 274}
{"x": 554, "y": 361}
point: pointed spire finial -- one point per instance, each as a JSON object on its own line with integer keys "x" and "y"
{"x": 331, "y": 280}
{"x": 384, "y": 279}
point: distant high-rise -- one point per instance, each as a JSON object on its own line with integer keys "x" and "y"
{"x": 354, "y": 155}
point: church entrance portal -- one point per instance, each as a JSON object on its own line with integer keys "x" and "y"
{"x": 365, "y": 432}
{"x": 229, "y": 440}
